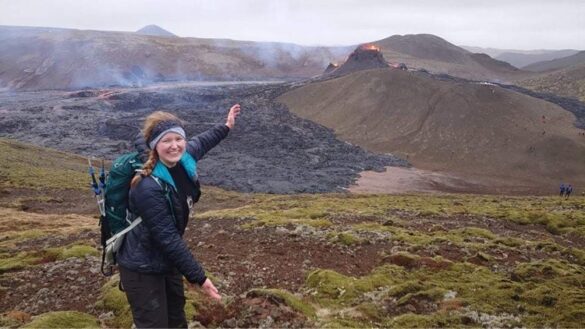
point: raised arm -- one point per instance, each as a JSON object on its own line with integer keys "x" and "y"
{"x": 199, "y": 145}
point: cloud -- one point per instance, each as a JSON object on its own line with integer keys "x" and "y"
{"x": 496, "y": 23}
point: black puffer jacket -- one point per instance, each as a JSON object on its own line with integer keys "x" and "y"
{"x": 156, "y": 245}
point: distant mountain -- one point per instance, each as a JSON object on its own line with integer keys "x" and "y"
{"x": 439, "y": 56}
{"x": 492, "y": 52}
{"x": 496, "y": 52}
{"x": 155, "y": 30}
{"x": 522, "y": 60}
{"x": 559, "y": 63}
{"x": 478, "y": 131}
{"x": 45, "y": 58}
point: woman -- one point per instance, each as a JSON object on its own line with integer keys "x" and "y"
{"x": 154, "y": 258}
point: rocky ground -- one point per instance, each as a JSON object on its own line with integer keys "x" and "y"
{"x": 270, "y": 150}
{"x": 322, "y": 260}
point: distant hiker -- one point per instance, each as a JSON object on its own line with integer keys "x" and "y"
{"x": 562, "y": 188}
{"x": 154, "y": 258}
{"x": 568, "y": 191}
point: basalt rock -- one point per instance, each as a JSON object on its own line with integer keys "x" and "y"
{"x": 270, "y": 150}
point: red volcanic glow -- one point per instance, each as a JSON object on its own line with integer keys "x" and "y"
{"x": 370, "y": 46}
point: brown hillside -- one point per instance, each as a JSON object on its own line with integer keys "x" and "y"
{"x": 568, "y": 82}
{"x": 438, "y": 55}
{"x": 43, "y": 58}
{"x": 425, "y": 46}
{"x": 498, "y": 138}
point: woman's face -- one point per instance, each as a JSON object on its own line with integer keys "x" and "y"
{"x": 170, "y": 148}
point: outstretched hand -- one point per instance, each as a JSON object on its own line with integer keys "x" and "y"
{"x": 231, "y": 117}
{"x": 210, "y": 290}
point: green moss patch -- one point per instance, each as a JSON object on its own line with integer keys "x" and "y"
{"x": 17, "y": 262}
{"x": 25, "y": 259}
{"x": 476, "y": 232}
{"x": 114, "y": 300}
{"x": 437, "y": 320}
{"x": 331, "y": 287}
{"x": 10, "y": 238}
{"x": 287, "y": 298}
{"x": 432, "y": 294}
{"x": 410, "y": 261}
{"x": 79, "y": 251}
{"x": 61, "y": 253}
{"x": 550, "y": 269}
{"x": 196, "y": 303}
{"x": 344, "y": 238}
{"x": 64, "y": 319}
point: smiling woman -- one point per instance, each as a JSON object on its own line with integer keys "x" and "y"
{"x": 154, "y": 258}
{"x": 170, "y": 148}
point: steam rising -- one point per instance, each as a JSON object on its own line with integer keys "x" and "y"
{"x": 71, "y": 59}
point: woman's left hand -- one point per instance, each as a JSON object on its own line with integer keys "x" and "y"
{"x": 210, "y": 290}
{"x": 231, "y": 118}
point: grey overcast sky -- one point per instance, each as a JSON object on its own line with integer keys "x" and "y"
{"x": 509, "y": 24}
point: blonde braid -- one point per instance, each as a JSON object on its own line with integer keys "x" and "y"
{"x": 146, "y": 169}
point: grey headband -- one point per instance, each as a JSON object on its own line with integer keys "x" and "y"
{"x": 174, "y": 129}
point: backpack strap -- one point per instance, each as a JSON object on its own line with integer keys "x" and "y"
{"x": 167, "y": 192}
{"x": 112, "y": 245}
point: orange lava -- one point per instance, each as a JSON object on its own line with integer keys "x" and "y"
{"x": 370, "y": 46}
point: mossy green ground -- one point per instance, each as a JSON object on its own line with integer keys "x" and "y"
{"x": 537, "y": 294}
{"x": 24, "y": 259}
{"x": 289, "y": 299}
{"x": 544, "y": 292}
{"x": 65, "y": 319}
{"x": 26, "y": 166}
{"x": 555, "y": 214}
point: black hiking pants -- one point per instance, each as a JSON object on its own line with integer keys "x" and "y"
{"x": 157, "y": 301}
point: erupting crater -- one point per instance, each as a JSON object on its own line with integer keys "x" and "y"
{"x": 364, "y": 57}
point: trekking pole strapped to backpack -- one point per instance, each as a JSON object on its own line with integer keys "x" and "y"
{"x": 103, "y": 177}
{"x": 98, "y": 188}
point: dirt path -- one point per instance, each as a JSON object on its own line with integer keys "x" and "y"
{"x": 397, "y": 180}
